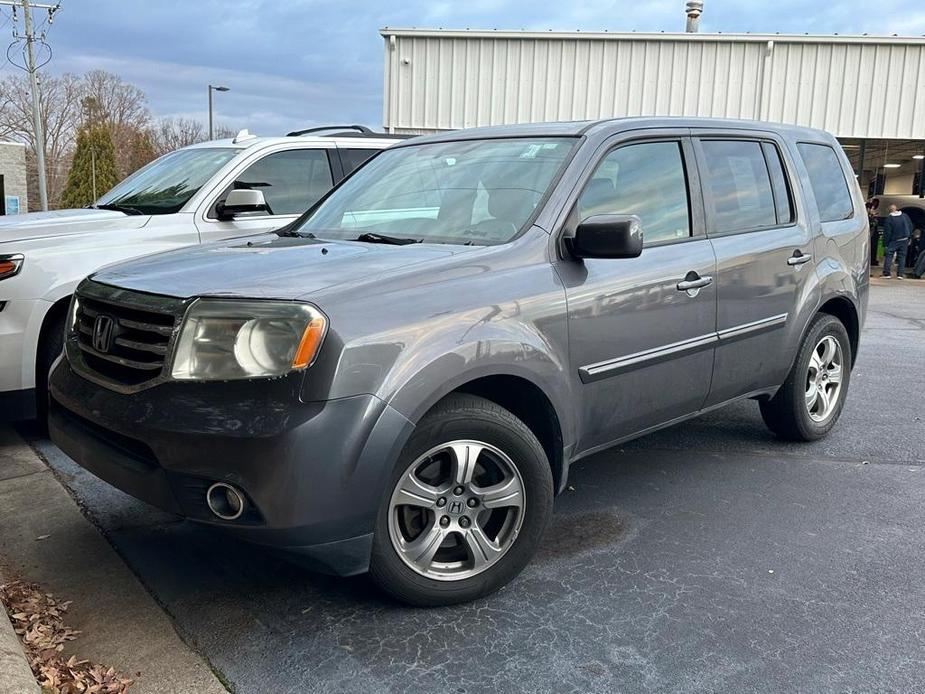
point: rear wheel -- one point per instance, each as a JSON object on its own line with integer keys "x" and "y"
{"x": 811, "y": 400}
{"x": 466, "y": 507}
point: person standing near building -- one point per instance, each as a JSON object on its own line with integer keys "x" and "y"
{"x": 896, "y": 232}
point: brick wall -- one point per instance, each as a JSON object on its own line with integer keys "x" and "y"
{"x": 13, "y": 170}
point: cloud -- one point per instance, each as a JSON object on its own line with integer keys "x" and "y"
{"x": 304, "y": 62}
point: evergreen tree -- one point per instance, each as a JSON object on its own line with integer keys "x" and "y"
{"x": 94, "y": 158}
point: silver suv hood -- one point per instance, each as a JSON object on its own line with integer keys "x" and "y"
{"x": 37, "y": 225}
{"x": 268, "y": 266}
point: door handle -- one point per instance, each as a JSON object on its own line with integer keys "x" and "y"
{"x": 688, "y": 285}
{"x": 797, "y": 260}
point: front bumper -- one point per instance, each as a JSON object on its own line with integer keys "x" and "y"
{"x": 314, "y": 473}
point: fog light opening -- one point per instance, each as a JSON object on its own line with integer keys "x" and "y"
{"x": 225, "y": 501}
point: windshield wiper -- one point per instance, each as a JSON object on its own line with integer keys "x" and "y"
{"x": 292, "y": 233}
{"x": 117, "y": 208}
{"x": 370, "y": 237}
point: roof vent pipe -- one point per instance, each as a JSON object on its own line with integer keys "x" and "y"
{"x": 694, "y": 10}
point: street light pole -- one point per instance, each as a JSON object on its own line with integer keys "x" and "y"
{"x": 211, "y": 89}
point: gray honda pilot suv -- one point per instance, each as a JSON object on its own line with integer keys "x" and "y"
{"x": 399, "y": 380}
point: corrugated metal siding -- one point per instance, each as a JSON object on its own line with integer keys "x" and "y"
{"x": 851, "y": 86}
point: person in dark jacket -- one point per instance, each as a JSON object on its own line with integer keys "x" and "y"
{"x": 896, "y": 232}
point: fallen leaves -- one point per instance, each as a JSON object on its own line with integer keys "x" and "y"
{"x": 38, "y": 619}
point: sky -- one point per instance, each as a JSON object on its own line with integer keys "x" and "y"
{"x": 297, "y": 63}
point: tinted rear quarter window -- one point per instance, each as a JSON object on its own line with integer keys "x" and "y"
{"x": 353, "y": 158}
{"x": 782, "y": 200}
{"x": 827, "y": 179}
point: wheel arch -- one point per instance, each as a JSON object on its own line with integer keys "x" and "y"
{"x": 524, "y": 398}
{"x": 842, "y": 308}
{"x": 916, "y": 215}
{"x": 526, "y": 401}
{"x": 57, "y": 311}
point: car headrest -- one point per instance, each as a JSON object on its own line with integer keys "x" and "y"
{"x": 511, "y": 204}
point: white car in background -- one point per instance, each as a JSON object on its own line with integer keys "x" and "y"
{"x": 197, "y": 194}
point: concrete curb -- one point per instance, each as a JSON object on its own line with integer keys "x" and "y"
{"x": 15, "y": 673}
{"x": 121, "y": 625}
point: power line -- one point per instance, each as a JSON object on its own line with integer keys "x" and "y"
{"x": 30, "y": 37}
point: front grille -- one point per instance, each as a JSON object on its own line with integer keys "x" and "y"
{"x": 138, "y": 342}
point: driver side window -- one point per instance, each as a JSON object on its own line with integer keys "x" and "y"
{"x": 647, "y": 180}
{"x": 291, "y": 181}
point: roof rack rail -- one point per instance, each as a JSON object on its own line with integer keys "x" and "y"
{"x": 321, "y": 128}
{"x": 351, "y": 131}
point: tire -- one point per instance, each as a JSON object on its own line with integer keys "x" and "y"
{"x": 51, "y": 344}
{"x": 500, "y": 442}
{"x": 789, "y": 414}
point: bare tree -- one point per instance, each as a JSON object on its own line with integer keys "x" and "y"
{"x": 173, "y": 133}
{"x": 99, "y": 99}
{"x": 122, "y": 108}
{"x": 60, "y": 115}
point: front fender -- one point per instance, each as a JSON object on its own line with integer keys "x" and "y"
{"x": 433, "y": 370}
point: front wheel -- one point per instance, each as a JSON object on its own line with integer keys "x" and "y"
{"x": 466, "y": 507}
{"x": 811, "y": 400}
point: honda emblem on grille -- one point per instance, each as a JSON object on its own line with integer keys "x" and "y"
{"x": 103, "y": 329}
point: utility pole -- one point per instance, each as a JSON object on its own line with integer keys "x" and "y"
{"x": 31, "y": 68}
{"x": 93, "y": 171}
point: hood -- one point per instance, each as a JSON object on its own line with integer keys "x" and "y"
{"x": 35, "y": 225}
{"x": 269, "y": 266}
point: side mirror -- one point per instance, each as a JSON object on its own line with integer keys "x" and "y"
{"x": 607, "y": 236}
{"x": 240, "y": 202}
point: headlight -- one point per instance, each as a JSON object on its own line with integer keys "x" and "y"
{"x": 10, "y": 264}
{"x": 224, "y": 340}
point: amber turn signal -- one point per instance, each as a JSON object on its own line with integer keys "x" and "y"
{"x": 10, "y": 265}
{"x": 311, "y": 341}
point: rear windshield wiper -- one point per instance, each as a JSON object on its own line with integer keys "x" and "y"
{"x": 118, "y": 208}
{"x": 370, "y": 237}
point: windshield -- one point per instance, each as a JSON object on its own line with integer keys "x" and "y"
{"x": 478, "y": 192}
{"x": 166, "y": 184}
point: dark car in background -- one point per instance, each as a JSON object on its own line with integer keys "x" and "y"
{"x": 399, "y": 380}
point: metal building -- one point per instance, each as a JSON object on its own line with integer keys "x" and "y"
{"x": 868, "y": 91}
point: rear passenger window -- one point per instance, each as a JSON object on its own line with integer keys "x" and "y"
{"x": 739, "y": 186}
{"x": 827, "y": 180}
{"x": 353, "y": 158}
{"x": 647, "y": 180}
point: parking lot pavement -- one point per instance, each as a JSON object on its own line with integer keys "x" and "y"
{"x": 706, "y": 557}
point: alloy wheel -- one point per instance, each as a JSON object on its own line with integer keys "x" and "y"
{"x": 824, "y": 379}
{"x": 456, "y": 510}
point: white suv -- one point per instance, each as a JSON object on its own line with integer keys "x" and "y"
{"x": 197, "y": 194}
